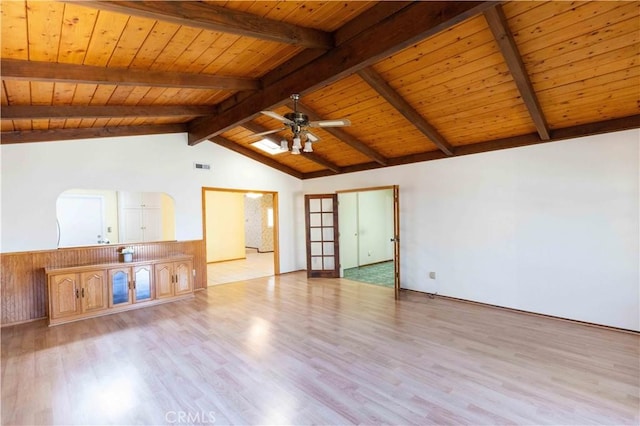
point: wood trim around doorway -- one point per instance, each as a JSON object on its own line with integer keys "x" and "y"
{"x": 276, "y": 221}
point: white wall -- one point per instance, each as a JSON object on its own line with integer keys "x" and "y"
{"x": 34, "y": 174}
{"x": 225, "y": 225}
{"x": 551, "y": 228}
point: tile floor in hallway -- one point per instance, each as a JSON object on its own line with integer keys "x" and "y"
{"x": 378, "y": 273}
{"x": 255, "y": 265}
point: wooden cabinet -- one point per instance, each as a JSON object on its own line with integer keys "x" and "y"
{"x": 142, "y": 290}
{"x": 173, "y": 278}
{"x": 73, "y": 294}
{"x": 86, "y": 291}
{"x": 130, "y": 285}
{"x": 63, "y": 295}
{"x": 93, "y": 291}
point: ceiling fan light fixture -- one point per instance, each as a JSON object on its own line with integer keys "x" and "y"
{"x": 296, "y": 143}
{"x": 298, "y": 122}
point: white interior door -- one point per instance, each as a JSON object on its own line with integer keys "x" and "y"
{"x": 80, "y": 219}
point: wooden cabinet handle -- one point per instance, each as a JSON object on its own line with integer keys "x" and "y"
{"x": 83, "y": 292}
{"x": 77, "y": 294}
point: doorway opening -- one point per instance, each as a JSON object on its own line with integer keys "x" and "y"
{"x": 240, "y": 234}
{"x": 363, "y": 231}
{"x": 367, "y": 234}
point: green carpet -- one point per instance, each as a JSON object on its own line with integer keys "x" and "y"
{"x": 380, "y": 274}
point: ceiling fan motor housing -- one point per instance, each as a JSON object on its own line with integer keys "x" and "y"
{"x": 298, "y": 118}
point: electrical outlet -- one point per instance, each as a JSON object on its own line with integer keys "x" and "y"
{"x": 432, "y": 275}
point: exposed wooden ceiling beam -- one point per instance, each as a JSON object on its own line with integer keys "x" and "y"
{"x": 217, "y": 18}
{"x": 257, "y": 128}
{"x": 255, "y": 156}
{"x": 69, "y": 73}
{"x": 590, "y": 129}
{"x": 378, "y": 84}
{"x": 344, "y": 136}
{"x": 501, "y": 32}
{"x": 401, "y": 30}
{"x": 31, "y": 112}
{"x": 313, "y": 156}
{"x": 373, "y": 16}
{"x": 24, "y": 136}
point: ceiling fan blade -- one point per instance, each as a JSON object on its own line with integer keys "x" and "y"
{"x": 268, "y": 132}
{"x": 277, "y": 116}
{"x": 330, "y": 123}
{"x": 311, "y": 136}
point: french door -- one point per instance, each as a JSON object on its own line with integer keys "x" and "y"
{"x": 396, "y": 240}
{"x": 321, "y": 217}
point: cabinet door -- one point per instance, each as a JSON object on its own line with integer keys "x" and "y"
{"x": 152, "y": 224}
{"x": 142, "y": 283}
{"x": 131, "y": 225}
{"x": 151, "y": 200}
{"x": 182, "y": 272}
{"x": 64, "y": 294}
{"x": 129, "y": 200}
{"x": 119, "y": 286}
{"x": 94, "y": 292}
{"x": 164, "y": 278}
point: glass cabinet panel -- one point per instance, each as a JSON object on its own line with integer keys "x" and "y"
{"x": 142, "y": 277}
{"x": 119, "y": 287}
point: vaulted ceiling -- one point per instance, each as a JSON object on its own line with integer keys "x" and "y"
{"x": 418, "y": 80}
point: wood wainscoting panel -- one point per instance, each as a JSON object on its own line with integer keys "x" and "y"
{"x": 23, "y": 294}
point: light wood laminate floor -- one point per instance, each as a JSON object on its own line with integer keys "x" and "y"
{"x": 287, "y": 350}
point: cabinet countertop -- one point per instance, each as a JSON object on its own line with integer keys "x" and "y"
{"x": 79, "y": 268}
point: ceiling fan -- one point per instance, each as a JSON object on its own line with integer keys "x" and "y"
{"x": 299, "y": 123}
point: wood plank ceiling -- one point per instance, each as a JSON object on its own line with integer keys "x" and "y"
{"x": 418, "y": 80}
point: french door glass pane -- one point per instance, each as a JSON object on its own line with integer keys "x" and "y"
{"x": 316, "y": 234}
{"x": 327, "y": 205}
{"x": 316, "y": 249}
{"x": 329, "y": 262}
{"x": 314, "y": 205}
{"x": 327, "y": 249}
{"x": 327, "y": 234}
{"x": 327, "y": 219}
{"x": 316, "y": 263}
{"x": 315, "y": 219}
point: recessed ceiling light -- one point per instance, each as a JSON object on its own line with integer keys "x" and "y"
{"x": 269, "y": 146}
